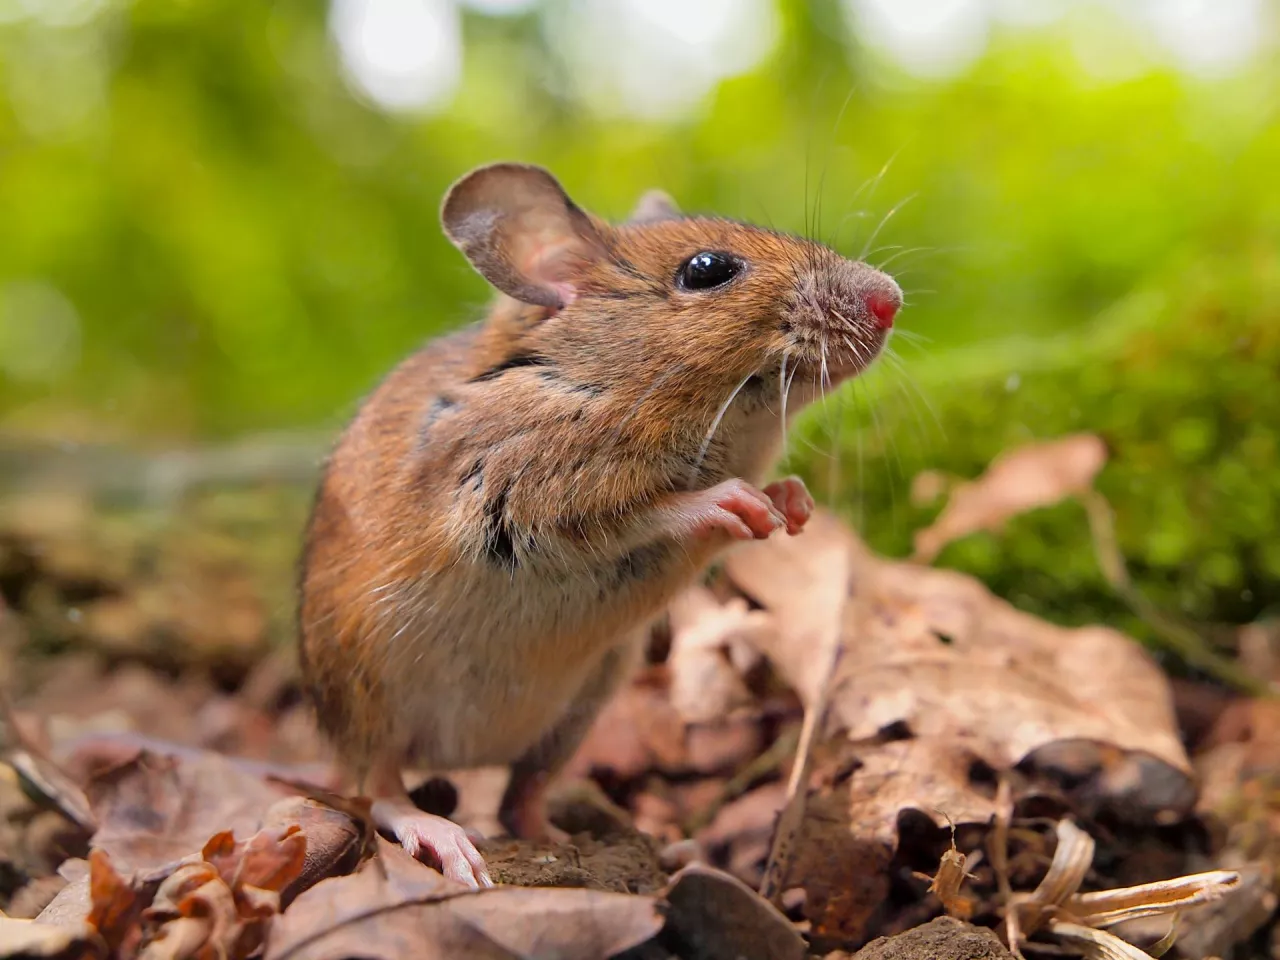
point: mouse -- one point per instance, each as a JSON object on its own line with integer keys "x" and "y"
{"x": 514, "y": 505}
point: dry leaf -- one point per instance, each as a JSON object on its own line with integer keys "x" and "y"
{"x": 1037, "y": 475}
{"x": 636, "y": 731}
{"x": 155, "y": 810}
{"x": 116, "y": 903}
{"x": 804, "y": 583}
{"x": 395, "y": 907}
{"x": 29, "y": 939}
{"x": 967, "y": 684}
{"x": 714, "y": 915}
{"x": 934, "y": 652}
{"x": 705, "y": 685}
{"x": 334, "y": 841}
{"x": 270, "y": 860}
{"x": 42, "y": 777}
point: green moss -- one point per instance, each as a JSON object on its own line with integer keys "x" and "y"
{"x": 1182, "y": 380}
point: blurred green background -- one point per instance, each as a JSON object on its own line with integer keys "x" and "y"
{"x": 219, "y": 217}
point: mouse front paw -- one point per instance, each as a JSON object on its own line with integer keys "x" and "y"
{"x": 792, "y": 499}
{"x": 737, "y": 509}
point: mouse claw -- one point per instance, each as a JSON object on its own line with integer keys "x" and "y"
{"x": 792, "y": 499}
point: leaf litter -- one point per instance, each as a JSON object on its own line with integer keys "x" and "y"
{"x": 867, "y": 742}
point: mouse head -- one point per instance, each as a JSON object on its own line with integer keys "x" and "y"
{"x": 717, "y": 301}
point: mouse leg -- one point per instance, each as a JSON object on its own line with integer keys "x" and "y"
{"x": 523, "y": 811}
{"x": 419, "y": 832}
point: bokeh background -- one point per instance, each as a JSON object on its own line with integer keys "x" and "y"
{"x": 218, "y": 219}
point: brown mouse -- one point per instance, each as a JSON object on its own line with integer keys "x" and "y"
{"x": 514, "y": 504}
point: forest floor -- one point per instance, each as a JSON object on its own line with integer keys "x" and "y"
{"x": 824, "y": 747}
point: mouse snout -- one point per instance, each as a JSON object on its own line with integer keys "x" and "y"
{"x": 843, "y": 314}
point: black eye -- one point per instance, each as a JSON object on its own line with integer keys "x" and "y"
{"x": 705, "y": 270}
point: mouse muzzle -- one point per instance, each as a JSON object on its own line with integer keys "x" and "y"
{"x": 841, "y": 317}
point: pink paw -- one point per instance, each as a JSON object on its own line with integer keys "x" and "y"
{"x": 740, "y": 510}
{"x": 446, "y": 845}
{"x": 793, "y": 500}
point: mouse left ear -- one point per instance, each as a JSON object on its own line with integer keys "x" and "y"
{"x": 653, "y": 207}
{"x": 520, "y": 230}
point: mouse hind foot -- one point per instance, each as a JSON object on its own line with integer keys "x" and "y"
{"x": 435, "y": 840}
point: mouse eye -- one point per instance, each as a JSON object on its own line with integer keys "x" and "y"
{"x": 705, "y": 270}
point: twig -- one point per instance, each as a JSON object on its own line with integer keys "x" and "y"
{"x": 782, "y": 850}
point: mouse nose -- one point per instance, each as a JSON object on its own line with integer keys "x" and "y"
{"x": 884, "y": 303}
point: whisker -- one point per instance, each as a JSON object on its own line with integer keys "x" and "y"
{"x": 897, "y": 364}
{"x": 911, "y": 336}
{"x": 902, "y": 252}
{"x": 883, "y": 220}
{"x": 715, "y": 425}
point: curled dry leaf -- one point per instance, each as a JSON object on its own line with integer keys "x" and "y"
{"x": 1095, "y": 944}
{"x": 116, "y": 904}
{"x": 1037, "y": 475}
{"x": 1079, "y": 919}
{"x": 395, "y": 907}
{"x": 334, "y": 842}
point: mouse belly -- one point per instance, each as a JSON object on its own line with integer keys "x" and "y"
{"x": 480, "y": 680}
{"x": 486, "y": 716}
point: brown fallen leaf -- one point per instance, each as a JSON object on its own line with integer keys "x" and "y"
{"x": 155, "y": 810}
{"x": 269, "y": 860}
{"x": 1036, "y": 475}
{"x": 637, "y": 730}
{"x": 335, "y": 841}
{"x": 714, "y": 915}
{"x": 965, "y": 684}
{"x": 116, "y": 905}
{"x": 28, "y": 939}
{"x": 72, "y": 904}
{"x": 395, "y": 907}
{"x": 705, "y": 685}
{"x": 194, "y": 913}
{"x": 41, "y": 777}
{"x": 935, "y": 652}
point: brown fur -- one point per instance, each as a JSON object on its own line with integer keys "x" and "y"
{"x": 496, "y": 519}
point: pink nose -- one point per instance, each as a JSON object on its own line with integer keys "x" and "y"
{"x": 884, "y": 308}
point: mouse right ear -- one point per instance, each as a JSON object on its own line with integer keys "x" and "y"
{"x": 654, "y": 206}
{"x": 521, "y": 231}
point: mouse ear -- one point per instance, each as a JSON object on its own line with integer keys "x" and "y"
{"x": 521, "y": 231}
{"x": 654, "y": 206}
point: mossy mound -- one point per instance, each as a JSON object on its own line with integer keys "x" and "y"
{"x": 1182, "y": 380}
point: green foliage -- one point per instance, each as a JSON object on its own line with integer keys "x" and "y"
{"x": 1182, "y": 380}
{"x": 247, "y": 245}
